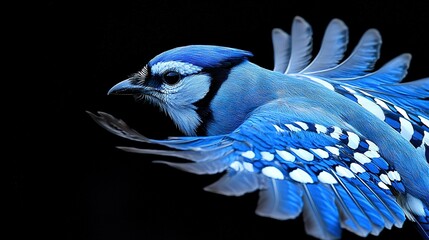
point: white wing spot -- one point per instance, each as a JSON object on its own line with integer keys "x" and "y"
{"x": 292, "y": 127}
{"x": 286, "y": 155}
{"x": 370, "y": 106}
{"x": 349, "y": 90}
{"x": 385, "y": 179}
{"x": 336, "y": 133}
{"x": 356, "y": 168}
{"x": 320, "y": 128}
{"x": 397, "y": 176}
{"x": 325, "y": 177}
{"x": 372, "y": 154}
{"x": 278, "y": 129}
{"x": 362, "y": 159}
{"x": 344, "y": 172}
{"x": 267, "y": 156}
{"x": 402, "y": 112}
{"x": 304, "y": 126}
{"x": 425, "y": 138}
{"x": 394, "y": 176}
{"x": 248, "y": 166}
{"x": 249, "y": 154}
{"x": 381, "y": 103}
{"x": 272, "y": 172}
{"x": 424, "y": 121}
{"x": 320, "y": 152}
{"x": 365, "y": 93}
{"x": 382, "y": 185}
{"x": 353, "y": 140}
{"x": 407, "y": 129}
{"x": 300, "y": 175}
{"x": 304, "y": 154}
{"x": 372, "y": 146}
{"x": 333, "y": 150}
{"x": 324, "y": 83}
{"x": 237, "y": 166}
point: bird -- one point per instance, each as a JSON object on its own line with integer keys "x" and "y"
{"x": 326, "y": 136}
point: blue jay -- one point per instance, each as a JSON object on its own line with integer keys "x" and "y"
{"x": 326, "y": 137}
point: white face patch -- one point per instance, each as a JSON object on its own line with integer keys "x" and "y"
{"x": 180, "y": 67}
{"x": 179, "y": 99}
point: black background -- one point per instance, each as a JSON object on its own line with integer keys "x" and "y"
{"x": 67, "y": 179}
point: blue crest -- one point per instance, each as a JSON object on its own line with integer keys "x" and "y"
{"x": 205, "y": 56}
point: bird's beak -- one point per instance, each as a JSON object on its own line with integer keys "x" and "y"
{"x": 126, "y": 87}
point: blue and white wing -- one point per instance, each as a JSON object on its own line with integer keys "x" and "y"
{"x": 336, "y": 178}
{"x": 402, "y": 105}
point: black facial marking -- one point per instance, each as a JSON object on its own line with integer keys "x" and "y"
{"x": 218, "y": 75}
{"x": 141, "y": 76}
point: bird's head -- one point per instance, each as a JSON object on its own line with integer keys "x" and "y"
{"x": 183, "y": 81}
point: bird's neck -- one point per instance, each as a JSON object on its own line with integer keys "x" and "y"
{"x": 244, "y": 88}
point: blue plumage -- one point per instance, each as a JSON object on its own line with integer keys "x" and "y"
{"x": 342, "y": 144}
{"x": 204, "y": 56}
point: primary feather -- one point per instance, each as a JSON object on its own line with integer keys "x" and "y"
{"x": 330, "y": 138}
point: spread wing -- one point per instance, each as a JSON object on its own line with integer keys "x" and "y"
{"x": 402, "y": 105}
{"x": 336, "y": 178}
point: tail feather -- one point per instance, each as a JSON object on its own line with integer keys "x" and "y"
{"x": 235, "y": 183}
{"x": 302, "y": 46}
{"x": 281, "y": 47}
{"x": 333, "y": 47}
{"x": 280, "y": 199}
{"x": 320, "y": 214}
{"x": 360, "y": 61}
{"x": 207, "y": 167}
{"x": 422, "y": 224}
{"x": 353, "y": 217}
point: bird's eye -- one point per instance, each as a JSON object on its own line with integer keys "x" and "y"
{"x": 171, "y": 77}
